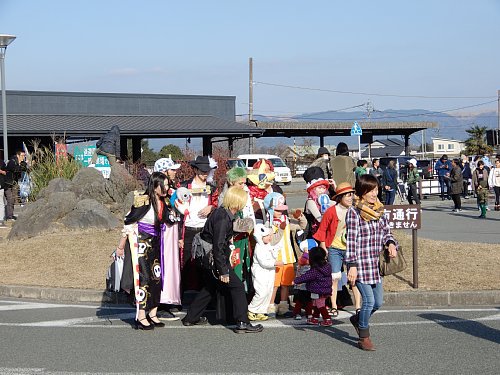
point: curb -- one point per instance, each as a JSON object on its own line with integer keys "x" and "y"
{"x": 407, "y": 298}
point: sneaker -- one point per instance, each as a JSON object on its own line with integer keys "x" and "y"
{"x": 326, "y": 323}
{"x": 167, "y": 315}
{"x": 298, "y": 317}
{"x": 257, "y": 316}
{"x": 313, "y": 321}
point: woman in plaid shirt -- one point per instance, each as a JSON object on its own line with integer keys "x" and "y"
{"x": 368, "y": 232}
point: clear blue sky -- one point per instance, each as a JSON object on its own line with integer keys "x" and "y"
{"x": 424, "y": 47}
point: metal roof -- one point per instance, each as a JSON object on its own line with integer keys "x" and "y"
{"x": 131, "y": 125}
{"x": 343, "y": 128}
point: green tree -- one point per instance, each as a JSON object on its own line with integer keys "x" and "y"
{"x": 476, "y": 143}
{"x": 148, "y": 156}
{"x": 172, "y": 150}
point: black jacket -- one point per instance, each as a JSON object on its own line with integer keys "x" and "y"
{"x": 110, "y": 142}
{"x": 218, "y": 231}
{"x": 14, "y": 170}
{"x": 2, "y": 176}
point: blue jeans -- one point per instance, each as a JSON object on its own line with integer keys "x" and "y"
{"x": 443, "y": 181}
{"x": 390, "y": 195}
{"x": 336, "y": 258}
{"x": 372, "y": 297}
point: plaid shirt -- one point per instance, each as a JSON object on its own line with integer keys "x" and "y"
{"x": 365, "y": 241}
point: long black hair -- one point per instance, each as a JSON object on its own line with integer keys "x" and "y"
{"x": 317, "y": 257}
{"x": 157, "y": 179}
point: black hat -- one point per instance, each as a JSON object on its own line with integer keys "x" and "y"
{"x": 202, "y": 163}
{"x": 313, "y": 173}
{"x": 322, "y": 151}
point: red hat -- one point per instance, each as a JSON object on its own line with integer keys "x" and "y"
{"x": 315, "y": 183}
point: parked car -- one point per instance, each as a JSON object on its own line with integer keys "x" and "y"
{"x": 235, "y": 162}
{"x": 281, "y": 171}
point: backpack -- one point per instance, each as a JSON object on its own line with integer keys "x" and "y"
{"x": 201, "y": 252}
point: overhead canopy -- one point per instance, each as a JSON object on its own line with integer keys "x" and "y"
{"x": 156, "y": 126}
{"x": 326, "y": 129}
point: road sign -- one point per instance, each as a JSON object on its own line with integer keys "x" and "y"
{"x": 356, "y": 129}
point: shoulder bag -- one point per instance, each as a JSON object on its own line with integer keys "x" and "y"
{"x": 390, "y": 266}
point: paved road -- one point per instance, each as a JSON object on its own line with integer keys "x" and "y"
{"x": 438, "y": 220}
{"x": 48, "y": 338}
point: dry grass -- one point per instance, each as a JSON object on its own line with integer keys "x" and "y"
{"x": 79, "y": 259}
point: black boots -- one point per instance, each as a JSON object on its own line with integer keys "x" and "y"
{"x": 243, "y": 327}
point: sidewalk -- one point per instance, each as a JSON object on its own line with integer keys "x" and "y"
{"x": 407, "y": 298}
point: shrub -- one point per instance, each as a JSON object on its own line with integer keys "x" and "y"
{"x": 45, "y": 167}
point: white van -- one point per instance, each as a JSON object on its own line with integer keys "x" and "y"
{"x": 281, "y": 171}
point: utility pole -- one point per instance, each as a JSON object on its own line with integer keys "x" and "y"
{"x": 250, "y": 102}
{"x": 369, "y": 110}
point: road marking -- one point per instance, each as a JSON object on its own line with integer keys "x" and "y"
{"x": 42, "y": 371}
{"x": 289, "y": 323}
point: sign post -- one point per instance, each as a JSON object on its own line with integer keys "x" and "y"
{"x": 356, "y": 130}
{"x": 407, "y": 217}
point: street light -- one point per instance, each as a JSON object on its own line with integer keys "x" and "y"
{"x": 5, "y": 40}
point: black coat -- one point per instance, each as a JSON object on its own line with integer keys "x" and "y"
{"x": 110, "y": 142}
{"x": 14, "y": 170}
{"x": 218, "y": 231}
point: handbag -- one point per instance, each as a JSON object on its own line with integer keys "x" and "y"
{"x": 390, "y": 266}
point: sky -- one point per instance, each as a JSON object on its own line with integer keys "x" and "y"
{"x": 330, "y": 49}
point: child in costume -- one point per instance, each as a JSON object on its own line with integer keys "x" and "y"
{"x": 319, "y": 283}
{"x": 302, "y": 297}
{"x": 274, "y": 204}
{"x": 318, "y": 200}
{"x": 263, "y": 270}
{"x": 482, "y": 197}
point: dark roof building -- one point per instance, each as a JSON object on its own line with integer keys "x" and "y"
{"x": 43, "y": 114}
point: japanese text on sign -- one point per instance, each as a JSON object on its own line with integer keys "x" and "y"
{"x": 403, "y": 217}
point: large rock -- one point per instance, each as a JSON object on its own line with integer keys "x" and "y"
{"x": 56, "y": 185}
{"x": 120, "y": 183}
{"x": 41, "y": 215}
{"x": 89, "y": 183}
{"x": 88, "y": 201}
{"x": 90, "y": 213}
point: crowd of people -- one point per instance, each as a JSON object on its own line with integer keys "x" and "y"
{"x": 246, "y": 252}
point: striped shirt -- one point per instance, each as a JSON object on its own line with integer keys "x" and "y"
{"x": 365, "y": 241}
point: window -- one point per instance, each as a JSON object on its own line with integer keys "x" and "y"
{"x": 440, "y": 146}
{"x": 451, "y": 146}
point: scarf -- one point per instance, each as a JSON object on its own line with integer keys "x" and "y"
{"x": 256, "y": 192}
{"x": 369, "y": 212}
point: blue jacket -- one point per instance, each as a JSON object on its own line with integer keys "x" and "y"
{"x": 443, "y": 168}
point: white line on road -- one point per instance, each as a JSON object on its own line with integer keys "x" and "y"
{"x": 84, "y": 323}
{"x": 42, "y": 371}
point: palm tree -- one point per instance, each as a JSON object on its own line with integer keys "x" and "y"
{"x": 476, "y": 143}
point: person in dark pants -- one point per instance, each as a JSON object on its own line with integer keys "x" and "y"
{"x": 443, "y": 169}
{"x": 457, "y": 184}
{"x": 218, "y": 231}
{"x": 204, "y": 200}
{"x": 413, "y": 177}
{"x": 109, "y": 146}
{"x": 14, "y": 168}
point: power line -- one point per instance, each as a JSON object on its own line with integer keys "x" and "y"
{"x": 371, "y": 94}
